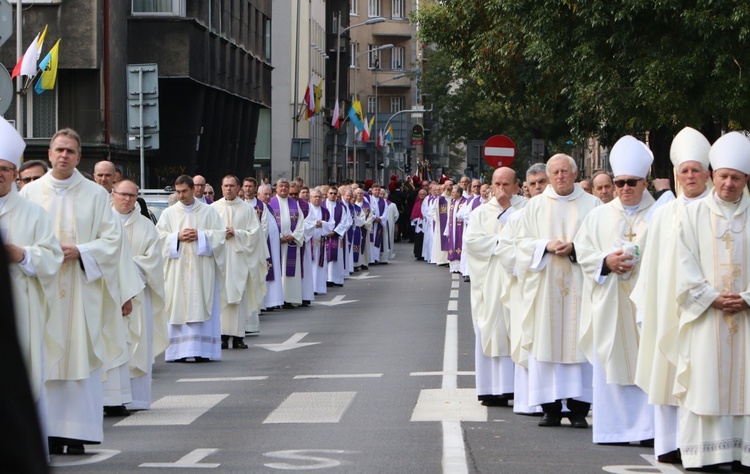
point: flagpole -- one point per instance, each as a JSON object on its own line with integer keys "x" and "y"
{"x": 19, "y": 52}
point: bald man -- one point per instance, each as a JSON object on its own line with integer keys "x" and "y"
{"x": 104, "y": 175}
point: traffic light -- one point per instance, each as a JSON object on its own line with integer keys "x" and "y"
{"x": 407, "y": 167}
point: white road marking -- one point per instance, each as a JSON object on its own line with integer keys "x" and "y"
{"x": 454, "y": 453}
{"x": 190, "y": 460}
{"x": 305, "y": 455}
{"x": 454, "y": 276}
{"x": 362, "y": 276}
{"x": 655, "y": 466}
{"x": 460, "y": 372}
{"x": 452, "y": 305}
{"x": 99, "y": 455}
{"x": 312, "y": 407}
{"x": 291, "y": 343}
{"x": 174, "y": 410}
{"x": 454, "y": 294}
{"x": 226, "y": 379}
{"x": 336, "y": 301}
{"x": 455, "y": 284}
{"x": 441, "y": 404}
{"x": 337, "y": 376}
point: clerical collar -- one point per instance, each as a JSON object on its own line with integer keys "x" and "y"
{"x": 691, "y": 199}
{"x": 61, "y": 183}
{"x": 722, "y": 202}
{"x": 124, "y": 217}
{"x": 630, "y": 210}
{"x": 190, "y": 207}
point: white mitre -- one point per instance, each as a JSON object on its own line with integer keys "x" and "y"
{"x": 689, "y": 145}
{"x": 731, "y": 151}
{"x": 630, "y": 157}
{"x": 11, "y": 143}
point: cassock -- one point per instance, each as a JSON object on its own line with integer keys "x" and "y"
{"x": 194, "y": 274}
{"x": 551, "y": 292}
{"x": 494, "y": 371}
{"x": 317, "y": 245}
{"x": 362, "y": 244}
{"x": 392, "y": 215}
{"x": 428, "y": 230}
{"x": 289, "y": 221}
{"x": 308, "y": 291}
{"x": 713, "y": 252}
{"x": 439, "y": 217}
{"x": 379, "y": 234}
{"x": 655, "y": 298}
{"x": 88, "y": 303}
{"x": 358, "y": 234}
{"x": 147, "y": 323}
{"x": 246, "y": 268}
{"x": 454, "y": 230}
{"x": 335, "y": 251}
{"x": 608, "y": 332}
{"x": 33, "y": 283}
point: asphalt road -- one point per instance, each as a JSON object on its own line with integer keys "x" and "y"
{"x": 380, "y": 380}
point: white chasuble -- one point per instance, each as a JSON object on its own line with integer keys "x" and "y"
{"x": 608, "y": 317}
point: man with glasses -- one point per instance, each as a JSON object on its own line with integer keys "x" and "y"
{"x": 308, "y": 292}
{"x": 209, "y": 192}
{"x": 335, "y": 241}
{"x": 289, "y": 220}
{"x": 551, "y": 283}
{"x": 30, "y": 171}
{"x": 608, "y": 246}
{"x": 199, "y": 189}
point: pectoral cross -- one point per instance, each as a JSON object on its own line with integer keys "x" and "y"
{"x": 630, "y": 235}
{"x": 728, "y": 239}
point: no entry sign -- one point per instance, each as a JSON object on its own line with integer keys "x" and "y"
{"x": 498, "y": 151}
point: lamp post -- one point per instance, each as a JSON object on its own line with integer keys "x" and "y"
{"x": 371, "y": 21}
{"x": 356, "y": 69}
{"x": 377, "y": 110}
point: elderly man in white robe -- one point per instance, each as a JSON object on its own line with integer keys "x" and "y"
{"x": 494, "y": 369}
{"x": 318, "y": 225}
{"x": 35, "y": 258}
{"x": 290, "y": 221}
{"x": 362, "y": 257}
{"x": 274, "y": 289}
{"x": 655, "y": 295}
{"x": 147, "y": 323}
{"x": 379, "y": 234}
{"x": 249, "y": 190}
{"x": 551, "y": 284}
{"x": 608, "y": 246}
{"x": 474, "y": 200}
{"x": 246, "y": 268}
{"x": 439, "y": 217}
{"x": 713, "y": 252}
{"x": 429, "y": 224}
{"x": 192, "y": 237}
{"x": 334, "y": 246}
{"x": 88, "y": 303}
{"x": 392, "y": 215}
{"x": 454, "y": 230}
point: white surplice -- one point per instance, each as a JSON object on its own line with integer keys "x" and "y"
{"x": 291, "y": 285}
{"x": 317, "y": 247}
{"x": 336, "y": 272}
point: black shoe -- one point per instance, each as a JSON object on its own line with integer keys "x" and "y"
{"x": 578, "y": 421}
{"x": 550, "y": 419}
{"x": 238, "y": 343}
{"x": 624, "y": 443}
{"x": 648, "y": 443}
{"x": 467, "y": 279}
{"x": 76, "y": 449}
{"x": 365, "y": 267}
{"x": 224, "y": 345}
{"x": 305, "y": 303}
{"x": 672, "y": 457}
{"x": 329, "y": 284}
{"x": 181, "y": 359}
{"x": 288, "y": 306}
{"x": 202, "y": 359}
{"x": 56, "y": 446}
{"x": 338, "y": 285}
{"x": 708, "y": 468}
{"x": 116, "y": 411}
{"x": 495, "y": 400}
{"x": 737, "y": 466}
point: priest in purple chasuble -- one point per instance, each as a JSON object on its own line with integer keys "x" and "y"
{"x": 317, "y": 225}
{"x": 378, "y": 208}
{"x": 290, "y": 222}
{"x": 454, "y": 229}
{"x": 365, "y": 224}
{"x": 308, "y": 294}
{"x": 335, "y": 240}
{"x": 439, "y": 214}
{"x": 274, "y": 290}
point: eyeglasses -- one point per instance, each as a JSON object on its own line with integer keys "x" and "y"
{"x": 210, "y": 193}
{"x": 126, "y": 195}
{"x": 294, "y": 194}
{"x": 630, "y": 182}
{"x": 6, "y": 169}
{"x": 28, "y": 179}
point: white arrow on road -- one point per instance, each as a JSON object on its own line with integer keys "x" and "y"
{"x": 362, "y": 276}
{"x": 291, "y": 343}
{"x": 337, "y": 300}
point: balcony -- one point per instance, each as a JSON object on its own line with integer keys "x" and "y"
{"x": 393, "y": 28}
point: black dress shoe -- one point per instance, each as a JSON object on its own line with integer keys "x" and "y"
{"x": 648, "y": 443}
{"x": 224, "y": 345}
{"x": 288, "y": 306}
{"x": 672, "y": 457}
{"x": 329, "y": 284}
{"x": 467, "y": 279}
{"x": 737, "y": 466}
{"x": 578, "y": 421}
{"x": 238, "y": 343}
{"x": 202, "y": 359}
{"x": 305, "y": 303}
{"x": 56, "y": 447}
{"x": 116, "y": 411}
{"x": 550, "y": 420}
{"x": 76, "y": 449}
{"x": 365, "y": 267}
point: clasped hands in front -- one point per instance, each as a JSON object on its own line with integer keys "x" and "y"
{"x": 619, "y": 262}
{"x": 557, "y": 247}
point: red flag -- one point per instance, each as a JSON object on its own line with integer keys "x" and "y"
{"x": 336, "y": 116}
{"x": 17, "y": 68}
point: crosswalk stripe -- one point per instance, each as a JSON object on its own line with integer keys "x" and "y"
{"x": 312, "y": 407}
{"x": 337, "y": 376}
{"x": 226, "y": 379}
{"x": 174, "y": 410}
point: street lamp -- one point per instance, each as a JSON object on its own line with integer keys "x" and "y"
{"x": 377, "y": 109}
{"x": 356, "y": 69}
{"x": 371, "y": 21}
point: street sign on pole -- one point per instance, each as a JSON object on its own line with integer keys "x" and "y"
{"x": 6, "y": 21}
{"x": 499, "y": 151}
{"x": 143, "y": 110}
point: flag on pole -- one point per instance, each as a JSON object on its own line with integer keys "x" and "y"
{"x": 48, "y": 66}
{"x": 389, "y": 135}
{"x": 380, "y": 138}
{"x": 336, "y": 122}
{"x": 26, "y": 64}
{"x": 310, "y": 99}
{"x": 355, "y": 115}
{"x": 319, "y": 97}
{"x": 366, "y": 131}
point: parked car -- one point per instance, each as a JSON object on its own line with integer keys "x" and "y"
{"x": 156, "y": 200}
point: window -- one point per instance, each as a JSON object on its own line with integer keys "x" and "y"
{"x": 354, "y": 8}
{"x": 397, "y": 104}
{"x": 355, "y": 52}
{"x": 372, "y": 104}
{"x": 373, "y": 57}
{"x": 397, "y": 9}
{"x": 158, "y": 7}
{"x": 373, "y": 8}
{"x": 267, "y": 38}
{"x": 397, "y": 58}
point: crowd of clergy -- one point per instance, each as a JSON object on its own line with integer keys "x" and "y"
{"x": 100, "y": 290}
{"x": 600, "y": 298}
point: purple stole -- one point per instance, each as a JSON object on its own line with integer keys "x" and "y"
{"x": 443, "y": 216}
{"x": 259, "y": 207}
{"x": 455, "y": 242}
{"x": 321, "y": 257}
{"x": 476, "y": 202}
{"x": 377, "y": 238}
{"x": 356, "y": 232}
{"x": 305, "y": 207}
{"x": 291, "y": 251}
{"x": 332, "y": 243}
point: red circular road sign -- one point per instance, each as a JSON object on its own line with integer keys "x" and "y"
{"x": 498, "y": 151}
